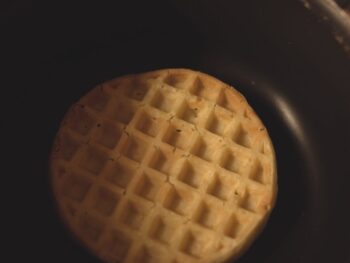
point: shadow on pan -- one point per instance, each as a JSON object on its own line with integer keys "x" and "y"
{"x": 280, "y": 56}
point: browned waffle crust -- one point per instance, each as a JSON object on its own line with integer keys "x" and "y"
{"x": 166, "y": 166}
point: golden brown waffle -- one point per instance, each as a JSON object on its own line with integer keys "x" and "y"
{"x": 167, "y": 166}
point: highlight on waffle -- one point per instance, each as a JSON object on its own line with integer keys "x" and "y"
{"x": 166, "y": 166}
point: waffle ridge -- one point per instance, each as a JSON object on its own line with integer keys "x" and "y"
{"x": 165, "y": 166}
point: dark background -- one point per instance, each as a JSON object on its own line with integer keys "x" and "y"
{"x": 281, "y": 56}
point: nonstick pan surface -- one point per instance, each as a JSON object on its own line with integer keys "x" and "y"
{"x": 279, "y": 55}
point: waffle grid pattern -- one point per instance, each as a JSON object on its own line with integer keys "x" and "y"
{"x": 162, "y": 169}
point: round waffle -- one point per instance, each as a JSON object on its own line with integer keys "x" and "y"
{"x": 166, "y": 166}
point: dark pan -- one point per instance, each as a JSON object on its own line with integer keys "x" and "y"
{"x": 283, "y": 57}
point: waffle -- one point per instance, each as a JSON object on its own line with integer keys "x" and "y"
{"x": 166, "y": 166}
